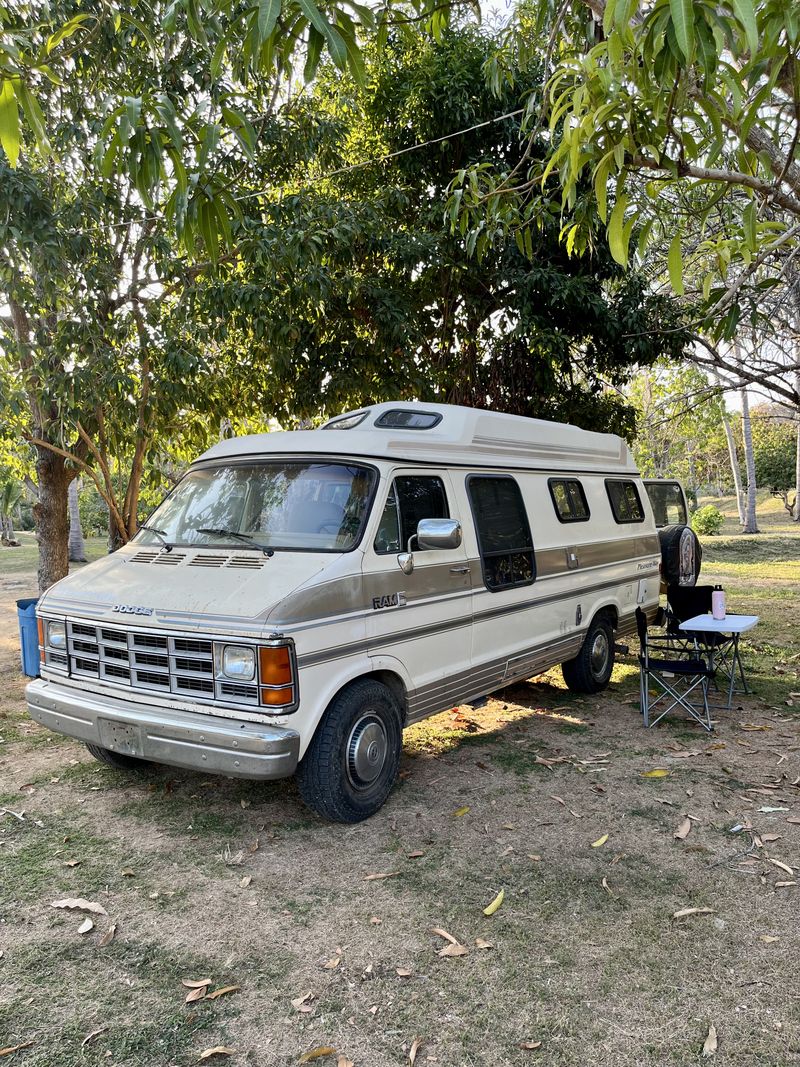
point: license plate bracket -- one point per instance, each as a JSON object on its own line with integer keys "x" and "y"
{"x": 121, "y": 737}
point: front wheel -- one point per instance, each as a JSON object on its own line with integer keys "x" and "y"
{"x": 354, "y": 757}
{"x": 590, "y": 670}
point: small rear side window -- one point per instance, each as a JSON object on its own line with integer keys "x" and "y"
{"x": 569, "y": 499}
{"x": 408, "y": 420}
{"x": 625, "y": 501}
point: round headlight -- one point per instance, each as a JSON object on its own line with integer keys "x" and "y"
{"x": 56, "y": 635}
{"x": 239, "y": 663}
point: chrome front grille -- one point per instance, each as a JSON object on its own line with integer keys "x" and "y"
{"x": 182, "y": 666}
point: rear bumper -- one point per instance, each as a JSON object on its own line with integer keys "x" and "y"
{"x": 203, "y": 742}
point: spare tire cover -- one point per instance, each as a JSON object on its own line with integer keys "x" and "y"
{"x": 681, "y": 555}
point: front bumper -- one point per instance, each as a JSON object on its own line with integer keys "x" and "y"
{"x": 197, "y": 741}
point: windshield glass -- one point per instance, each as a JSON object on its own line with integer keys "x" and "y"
{"x": 667, "y": 501}
{"x": 279, "y": 505}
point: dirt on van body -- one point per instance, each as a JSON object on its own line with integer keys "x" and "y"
{"x": 372, "y": 941}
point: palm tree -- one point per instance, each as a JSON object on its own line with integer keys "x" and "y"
{"x": 77, "y": 549}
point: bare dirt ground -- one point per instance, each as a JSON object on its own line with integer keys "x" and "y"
{"x": 541, "y": 795}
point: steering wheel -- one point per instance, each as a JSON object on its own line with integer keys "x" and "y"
{"x": 329, "y": 527}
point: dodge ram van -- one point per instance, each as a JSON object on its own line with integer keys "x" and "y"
{"x": 299, "y": 598}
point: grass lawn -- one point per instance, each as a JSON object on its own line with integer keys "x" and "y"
{"x": 584, "y": 962}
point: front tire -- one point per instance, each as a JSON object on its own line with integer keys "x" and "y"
{"x": 354, "y": 757}
{"x": 590, "y": 671}
{"x": 117, "y": 760}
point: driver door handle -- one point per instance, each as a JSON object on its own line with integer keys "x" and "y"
{"x": 460, "y": 570}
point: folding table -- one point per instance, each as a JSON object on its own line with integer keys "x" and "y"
{"x": 730, "y": 627}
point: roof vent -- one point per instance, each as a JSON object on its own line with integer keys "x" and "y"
{"x": 403, "y": 419}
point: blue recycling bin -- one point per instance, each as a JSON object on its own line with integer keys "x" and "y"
{"x": 28, "y": 636}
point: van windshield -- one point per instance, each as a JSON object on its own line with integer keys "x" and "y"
{"x": 285, "y": 506}
{"x": 667, "y": 501}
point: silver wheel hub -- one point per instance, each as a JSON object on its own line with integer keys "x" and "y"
{"x": 367, "y": 748}
{"x": 599, "y": 653}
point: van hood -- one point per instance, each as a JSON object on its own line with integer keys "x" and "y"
{"x": 188, "y": 588}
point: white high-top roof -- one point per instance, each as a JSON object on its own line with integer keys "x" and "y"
{"x": 462, "y": 437}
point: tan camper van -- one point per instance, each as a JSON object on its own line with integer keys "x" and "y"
{"x": 301, "y": 597}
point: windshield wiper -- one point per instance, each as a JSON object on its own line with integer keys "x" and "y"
{"x": 248, "y": 539}
{"x": 159, "y": 534}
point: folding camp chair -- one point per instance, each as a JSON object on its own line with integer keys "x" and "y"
{"x": 675, "y": 673}
{"x": 685, "y": 602}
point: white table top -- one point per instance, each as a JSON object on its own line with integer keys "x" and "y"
{"x": 731, "y": 624}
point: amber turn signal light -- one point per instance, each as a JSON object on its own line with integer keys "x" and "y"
{"x": 276, "y": 669}
{"x": 40, "y": 628}
{"x": 275, "y": 697}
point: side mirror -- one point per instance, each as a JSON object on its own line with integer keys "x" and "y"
{"x": 438, "y": 533}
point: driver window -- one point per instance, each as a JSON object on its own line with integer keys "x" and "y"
{"x": 410, "y": 499}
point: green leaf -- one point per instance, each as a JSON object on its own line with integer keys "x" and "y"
{"x": 9, "y": 121}
{"x": 34, "y": 116}
{"x": 683, "y": 22}
{"x": 616, "y": 241}
{"x": 749, "y": 226}
{"x": 336, "y": 45}
{"x": 675, "y": 265}
{"x": 601, "y": 174}
{"x": 268, "y": 13}
{"x": 313, "y": 53}
{"x": 67, "y": 30}
{"x": 743, "y": 9}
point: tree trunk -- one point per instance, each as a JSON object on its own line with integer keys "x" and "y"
{"x": 750, "y": 523}
{"x": 50, "y": 513}
{"x": 796, "y": 512}
{"x": 732, "y": 456}
{"x": 77, "y": 549}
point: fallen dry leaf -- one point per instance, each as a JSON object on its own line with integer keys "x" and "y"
{"x": 783, "y": 866}
{"x": 190, "y": 983}
{"x": 217, "y": 1050}
{"x": 304, "y": 1003}
{"x": 15, "y": 1048}
{"x": 607, "y": 887}
{"x": 768, "y": 939}
{"x": 657, "y": 772}
{"x": 317, "y": 1053}
{"x": 79, "y": 904}
{"x": 692, "y": 911}
{"x": 332, "y": 963}
{"x": 91, "y": 1036}
{"x": 443, "y": 933}
{"x": 108, "y": 936}
{"x": 72, "y": 863}
{"x": 480, "y": 943}
{"x": 223, "y": 991}
{"x": 416, "y": 855}
{"x": 343, "y": 1061}
{"x": 490, "y": 909}
{"x": 683, "y": 829}
{"x": 196, "y": 994}
{"x": 461, "y": 811}
{"x": 530, "y": 1046}
{"x": 416, "y": 1044}
{"x": 86, "y": 926}
{"x": 600, "y": 841}
{"x": 771, "y": 837}
{"x": 784, "y": 885}
{"x": 376, "y": 877}
{"x": 245, "y": 882}
{"x": 558, "y": 800}
{"x": 453, "y": 950}
{"x": 403, "y": 972}
{"x": 710, "y": 1043}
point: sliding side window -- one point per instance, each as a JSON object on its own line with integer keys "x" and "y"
{"x": 626, "y": 503}
{"x": 569, "y": 499}
{"x": 504, "y": 536}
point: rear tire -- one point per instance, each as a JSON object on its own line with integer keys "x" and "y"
{"x": 353, "y": 760}
{"x": 590, "y": 670}
{"x": 117, "y": 760}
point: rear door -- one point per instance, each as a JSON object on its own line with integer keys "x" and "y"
{"x": 422, "y": 619}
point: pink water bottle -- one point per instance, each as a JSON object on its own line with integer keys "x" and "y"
{"x": 718, "y": 602}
